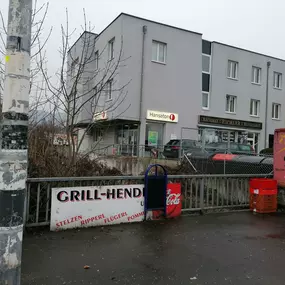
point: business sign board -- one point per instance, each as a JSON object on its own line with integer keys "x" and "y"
{"x": 79, "y": 207}
{"x": 162, "y": 116}
{"x": 100, "y": 116}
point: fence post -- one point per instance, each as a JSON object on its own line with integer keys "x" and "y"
{"x": 202, "y": 185}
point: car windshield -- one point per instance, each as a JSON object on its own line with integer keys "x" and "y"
{"x": 173, "y": 142}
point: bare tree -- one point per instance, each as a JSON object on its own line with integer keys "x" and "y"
{"x": 80, "y": 91}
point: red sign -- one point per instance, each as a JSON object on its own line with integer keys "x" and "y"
{"x": 173, "y": 202}
{"x": 172, "y": 117}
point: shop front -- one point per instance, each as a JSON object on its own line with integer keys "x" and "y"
{"x": 216, "y": 129}
{"x": 156, "y": 122}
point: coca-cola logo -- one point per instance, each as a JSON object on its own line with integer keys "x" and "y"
{"x": 172, "y": 198}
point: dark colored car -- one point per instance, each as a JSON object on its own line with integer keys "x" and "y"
{"x": 234, "y": 148}
{"x": 172, "y": 148}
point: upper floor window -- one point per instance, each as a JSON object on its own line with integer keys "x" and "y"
{"x": 232, "y": 69}
{"x": 206, "y": 47}
{"x": 111, "y": 48}
{"x": 231, "y": 102}
{"x": 108, "y": 89}
{"x": 96, "y": 60}
{"x": 206, "y": 63}
{"x": 254, "y": 107}
{"x": 205, "y": 101}
{"x": 277, "y": 80}
{"x": 276, "y": 109}
{"x": 158, "y": 52}
{"x": 256, "y": 75}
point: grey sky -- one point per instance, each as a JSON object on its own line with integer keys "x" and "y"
{"x": 251, "y": 24}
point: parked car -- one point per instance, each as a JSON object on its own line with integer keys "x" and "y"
{"x": 172, "y": 148}
{"x": 234, "y": 148}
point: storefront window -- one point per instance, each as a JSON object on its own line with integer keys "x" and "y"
{"x": 127, "y": 139}
{"x": 154, "y": 135}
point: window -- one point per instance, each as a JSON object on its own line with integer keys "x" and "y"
{"x": 205, "y": 82}
{"x": 254, "y": 107}
{"x": 205, "y": 101}
{"x": 233, "y": 69}
{"x": 108, "y": 90}
{"x": 276, "y": 109}
{"x": 206, "y": 47}
{"x": 96, "y": 59}
{"x": 111, "y": 48}
{"x": 158, "y": 52}
{"x": 256, "y": 75}
{"x": 98, "y": 134}
{"x": 206, "y": 63}
{"x": 277, "y": 80}
{"x": 231, "y": 103}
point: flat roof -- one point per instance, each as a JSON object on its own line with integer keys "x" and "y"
{"x": 139, "y": 18}
{"x": 247, "y": 50}
{"x": 174, "y": 27}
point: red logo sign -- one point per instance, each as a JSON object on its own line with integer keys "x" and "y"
{"x": 173, "y": 202}
{"x": 172, "y": 117}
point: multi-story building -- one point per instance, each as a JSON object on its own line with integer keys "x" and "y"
{"x": 157, "y": 92}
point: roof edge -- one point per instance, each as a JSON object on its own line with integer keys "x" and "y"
{"x": 247, "y": 50}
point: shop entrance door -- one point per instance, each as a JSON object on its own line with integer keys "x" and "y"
{"x": 133, "y": 142}
{"x": 253, "y": 141}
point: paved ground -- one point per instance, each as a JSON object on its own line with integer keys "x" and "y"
{"x": 235, "y": 248}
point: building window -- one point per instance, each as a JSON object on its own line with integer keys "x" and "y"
{"x": 206, "y": 63}
{"x": 232, "y": 69}
{"x": 256, "y": 75}
{"x": 108, "y": 90}
{"x": 98, "y": 134}
{"x": 158, "y": 52}
{"x": 111, "y": 48}
{"x": 276, "y": 109}
{"x": 231, "y": 102}
{"x": 277, "y": 80}
{"x": 205, "y": 101}
{"x": 96, "y": 59}
{"x": 206, "y": 47}
{"x": 205, "y": 82}
{"x": 254, "y": 107}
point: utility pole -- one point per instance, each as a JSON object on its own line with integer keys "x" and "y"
{"x": 14, "y": 144}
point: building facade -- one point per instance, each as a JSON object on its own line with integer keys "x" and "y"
{"x": 156, "y": 92}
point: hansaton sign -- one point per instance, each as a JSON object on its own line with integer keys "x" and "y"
{"x": 77, "y": 207}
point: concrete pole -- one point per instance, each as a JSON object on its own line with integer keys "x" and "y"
{"x": 14, "y": 131}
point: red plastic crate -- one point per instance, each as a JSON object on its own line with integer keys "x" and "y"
{"x": 263, "y": 203}
{"x": 263, "y": 186}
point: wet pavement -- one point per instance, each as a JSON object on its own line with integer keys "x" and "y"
{"x": 232, "y": 248}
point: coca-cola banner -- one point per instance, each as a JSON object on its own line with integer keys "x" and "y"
{"x": 173, "y": 202}
{"x": 78, "y": 207}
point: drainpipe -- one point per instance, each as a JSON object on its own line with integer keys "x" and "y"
{"x": 144, "y": 30}
{"x": 266, "y": 106}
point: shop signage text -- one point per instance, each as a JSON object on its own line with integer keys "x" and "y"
{"x": 100, "y": 116}
{"x": 229, "y": 122}
{"x": 76, "y": 207}
{"x": 162, "y": 116}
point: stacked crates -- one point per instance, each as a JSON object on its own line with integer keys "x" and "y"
{"x": 263, "y": 195}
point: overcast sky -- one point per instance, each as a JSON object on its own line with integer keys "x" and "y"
{"x": 252, "y": 24}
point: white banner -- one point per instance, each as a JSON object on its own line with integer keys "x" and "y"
{"x": 78, "y": 207}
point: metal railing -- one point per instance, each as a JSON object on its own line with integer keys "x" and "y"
{"x": 199, "y": 192}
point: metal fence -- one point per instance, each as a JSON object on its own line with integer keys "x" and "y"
{"x": 199, "y": 192}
